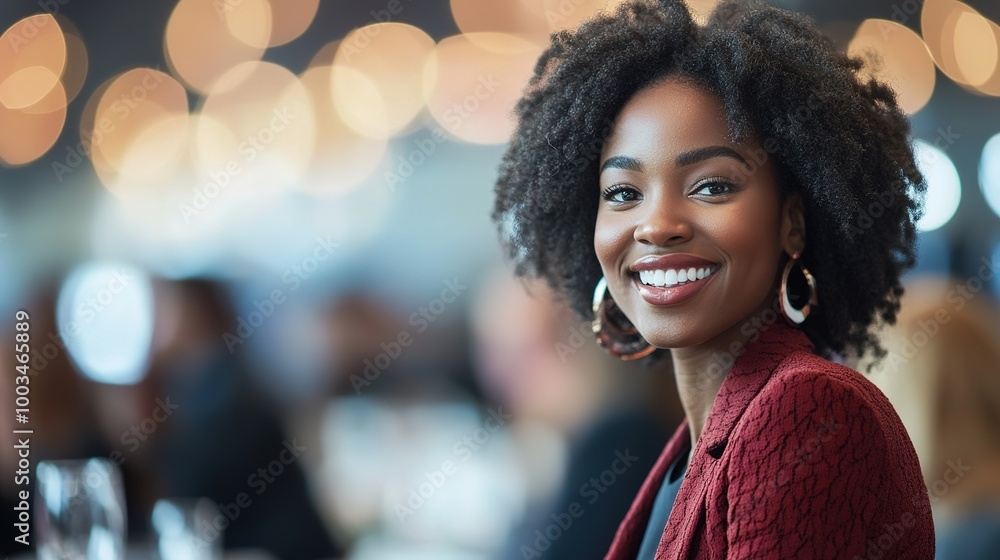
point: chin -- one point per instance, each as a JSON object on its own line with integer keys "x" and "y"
{"x": 670, "y": 334}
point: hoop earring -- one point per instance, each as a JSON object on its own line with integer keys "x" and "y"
{"x": 612, "y": 329}
{"x": 792, "y": 315}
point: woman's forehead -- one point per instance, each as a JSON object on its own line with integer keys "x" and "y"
{"x": 667, "y": 119}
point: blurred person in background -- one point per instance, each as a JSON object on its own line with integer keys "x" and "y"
{"x": 542, "y": 366}
{"x": 662, "y": 180}
{"x": 224, "y": 440}
{"x": 943, "y": 375}
{"x": 399, "y": 396}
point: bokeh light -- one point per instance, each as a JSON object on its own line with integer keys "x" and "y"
{"x": 944, "y": 189}
{"x": 992, "y": 85}
{"x": 268, "y": 128}
{"x": 137, "y": 129}
{"x": 561, "y": 14}
{"x": 33, "y": 42}
{"x": 961, "y": 41}
{"x": 200, "y": 44}
{"x": 521, "y": 17}
{"x": 344, "y": 157}
{"x": 105, "y": 316}
{"x": 32, "y": 97}
{"x": 325, "y": 55}
{"x": 701, "y": 9}
{"x": 989, "y": 173}
{"x": 377, "y": 79}
{"x": 27, "y": 134}
{"x": 290, "y": 19}
{"x": 975, "y": 47}
{"x": 248, "y": 20}
{"x": 77, "y": 59}
{"x": 474, "y": 80}
{"x": 898, "y": 56}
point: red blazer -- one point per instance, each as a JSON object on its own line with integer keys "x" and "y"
{"x": 800, "y": 457}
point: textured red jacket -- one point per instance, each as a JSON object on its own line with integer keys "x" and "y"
{"x": 800, "y": 457}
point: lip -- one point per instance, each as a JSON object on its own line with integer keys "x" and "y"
{"x": 675, "y": 260}
{"x": 670, "y": 295}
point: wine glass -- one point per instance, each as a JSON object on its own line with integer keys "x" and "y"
{"x": 186, "y": 529}
{"x": 81, "y": 510}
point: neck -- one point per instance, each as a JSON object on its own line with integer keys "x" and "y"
{"x": 700, "y": 370}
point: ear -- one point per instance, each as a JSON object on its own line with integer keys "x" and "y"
{"x": 793, "y": 224}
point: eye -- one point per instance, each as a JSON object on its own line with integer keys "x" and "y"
{"x": 621, "y": 194}
{"x": 714, "y": 187}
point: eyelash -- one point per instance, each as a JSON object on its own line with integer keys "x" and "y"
{"x": 709, "y": 181}
{"x": 611, "y": 191}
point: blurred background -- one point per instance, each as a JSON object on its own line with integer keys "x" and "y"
{"x": 253, "y": 240}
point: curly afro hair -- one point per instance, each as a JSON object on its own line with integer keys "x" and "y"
{"x": 836, "y": 137}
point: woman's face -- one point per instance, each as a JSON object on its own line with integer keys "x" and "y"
{"x": 678, "y": 197}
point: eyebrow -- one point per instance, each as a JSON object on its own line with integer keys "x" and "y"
{"x": 708, "y": 152}
{"x": 622, "y": 162}
{"x": 687, "y": 158}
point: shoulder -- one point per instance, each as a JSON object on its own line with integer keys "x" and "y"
{"x": 809, "y": 396}
{"x": 804, "y": 382}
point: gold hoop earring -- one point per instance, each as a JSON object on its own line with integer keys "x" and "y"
{"x": 795, "y": 316}
{"x": 612, "y": 329}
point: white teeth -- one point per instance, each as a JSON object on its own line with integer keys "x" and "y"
{"x": 670, "y": 277}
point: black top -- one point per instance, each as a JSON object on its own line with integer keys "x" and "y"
{"x": 662, "y": 505}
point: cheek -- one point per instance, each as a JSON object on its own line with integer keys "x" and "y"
{"x": 749, "y": 235}
{"x": 611, "y": 239}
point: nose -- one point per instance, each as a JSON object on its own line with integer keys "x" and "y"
{"x": 664, "y": 223}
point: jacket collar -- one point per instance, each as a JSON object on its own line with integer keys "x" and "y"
{"x": 751, "y": 369}
{"x": 753, "y": 365}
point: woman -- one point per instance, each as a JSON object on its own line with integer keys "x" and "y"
{"x": 743, "y": 201}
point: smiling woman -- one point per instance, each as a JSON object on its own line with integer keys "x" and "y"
{"x": 711, "y": 182}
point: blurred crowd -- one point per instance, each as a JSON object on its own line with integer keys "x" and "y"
{"x": 484, "y": 426}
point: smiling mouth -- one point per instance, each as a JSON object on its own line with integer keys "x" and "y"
{"x": 665, "y": 278}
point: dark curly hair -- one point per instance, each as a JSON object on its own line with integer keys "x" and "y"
{"x": 836, "y": 137}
